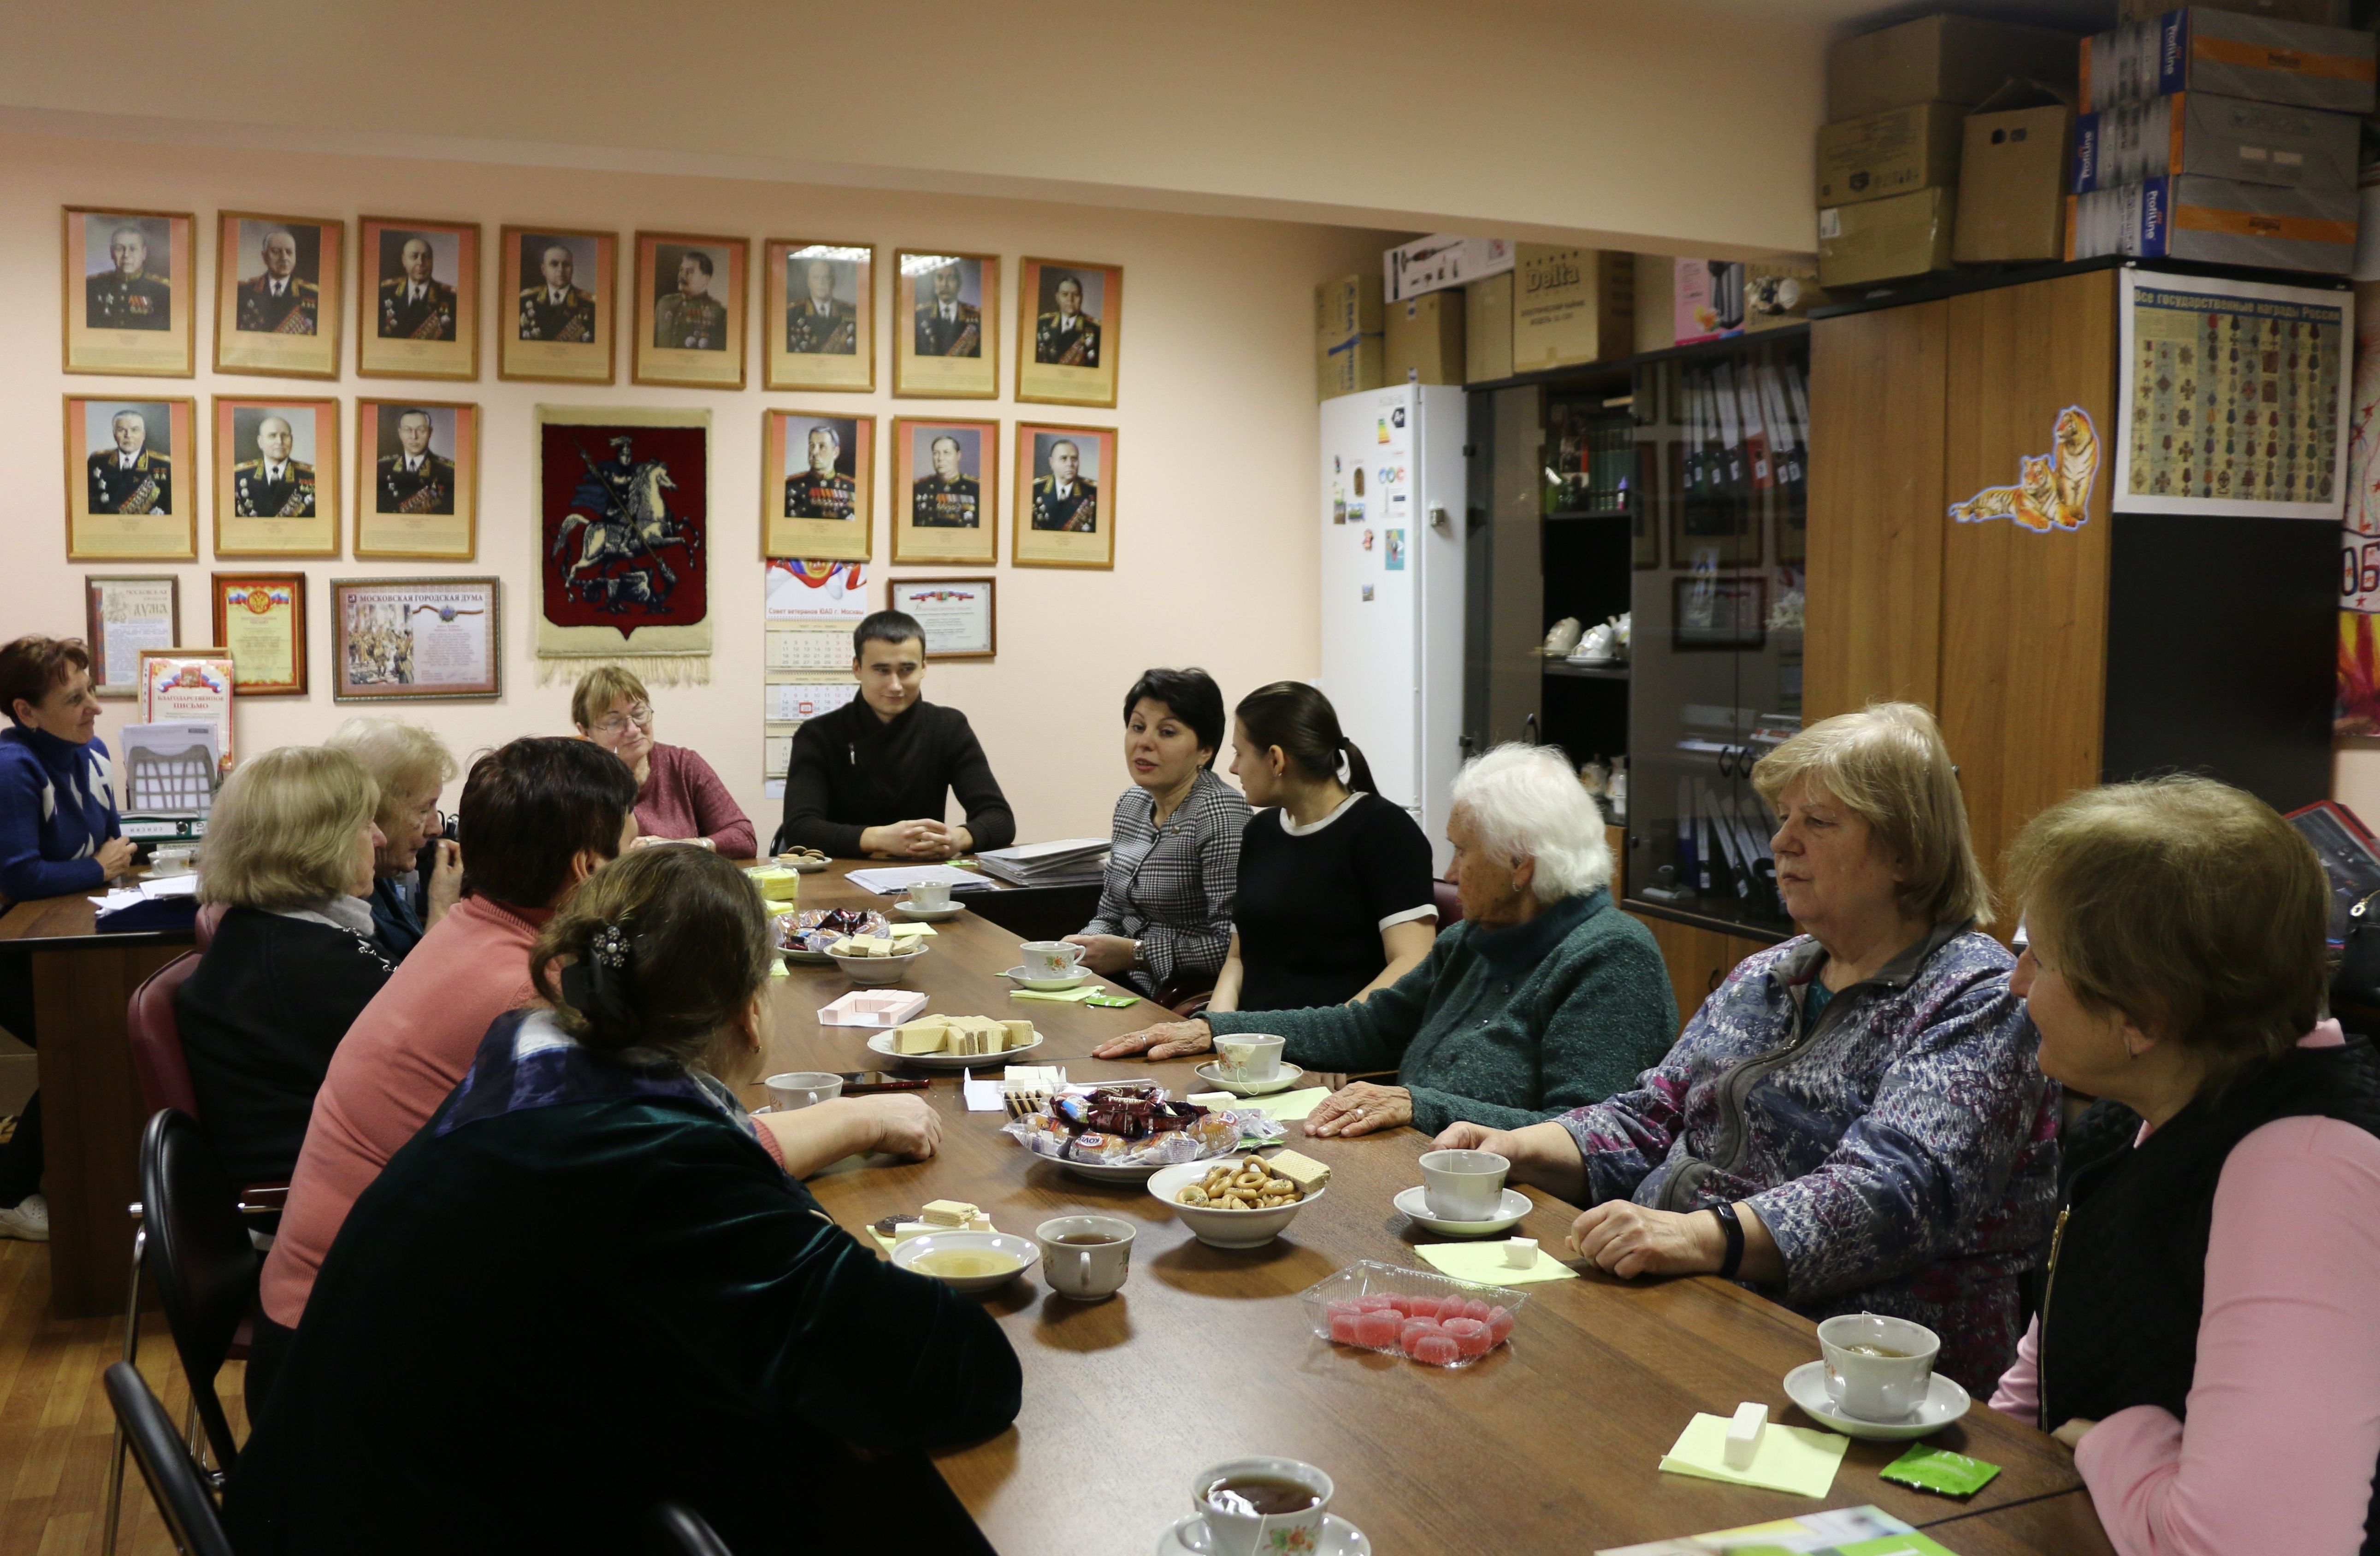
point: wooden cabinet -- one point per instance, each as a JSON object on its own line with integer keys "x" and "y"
{"x": 1699, "y": 959}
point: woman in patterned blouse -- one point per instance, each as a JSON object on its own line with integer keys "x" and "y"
{"x": 1855, "y": 1120}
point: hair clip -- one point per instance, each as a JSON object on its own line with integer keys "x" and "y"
{"x": 610, "y": 947}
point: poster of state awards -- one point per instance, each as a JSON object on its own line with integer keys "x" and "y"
{"x": 2232, "y": 397}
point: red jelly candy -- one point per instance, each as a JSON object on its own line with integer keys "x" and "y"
{"x": 1412, "y": 1330}
{"x": 1438, "y": 1350}
{"x": 1499, "y": 1324}
{"x": 1347, "y": 1306}
{"x": 1401, "y": 1303}
{"x": 1470, "y": 1336}
{"x": 1377, "y": 1329}
{"x": 1476, "y": 1308}
{"x": 1343, "y": 1328}
{"x": 1374, "y": 1304}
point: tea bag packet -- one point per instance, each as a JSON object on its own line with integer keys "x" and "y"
{"x": 1939, "y": 1469}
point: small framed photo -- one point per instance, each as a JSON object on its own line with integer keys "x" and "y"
{"x": 946, "y": 326}
{"x": 261, "y": 622}
{"x": 276, "y": 477}
{"x": 818, "y": 484}
{"x": 131, "y": 469}
{"x": 131, "y": 284}
{"x": 416, "y": 639}
{"x": 1069, "y": 317}
{"x": 277, "y": 301}
{"x": 818, "y": 315}
{"x": 1065, "y": 496}
{"x": 945, "y": 491}
{"x": 562, "y": 285}
{"x": 1710, "y": 612}
{"x": 417, "y": 299}
{"x": 689, "y": 310}
{"x": 957, "y": 613}
{"x": 122, "y": 616}
{"x": 417, "y": 480}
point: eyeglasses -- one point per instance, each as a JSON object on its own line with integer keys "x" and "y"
{"x": 615, "y": 723}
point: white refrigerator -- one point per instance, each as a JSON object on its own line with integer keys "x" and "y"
{"x": 1392, "y": 523}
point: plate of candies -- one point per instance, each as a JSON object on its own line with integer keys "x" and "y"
{"x": 1126, "y": 1131}
{"x": 805, "y": 937}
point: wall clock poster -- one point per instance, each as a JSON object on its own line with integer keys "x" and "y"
{"x": 624, "y": 500}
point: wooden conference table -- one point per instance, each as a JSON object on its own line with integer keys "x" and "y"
{"x": 1548, "y": 1444}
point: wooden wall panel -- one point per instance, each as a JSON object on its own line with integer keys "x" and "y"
{"x": 2024, "y": 613}
{"x": 1698, "y": 959}
{"x": 1878, "y": 383}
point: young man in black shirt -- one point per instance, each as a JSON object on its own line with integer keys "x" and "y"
{"x": 868, "y": 778}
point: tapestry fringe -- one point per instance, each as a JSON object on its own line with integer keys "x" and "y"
{"x": 654, "y": 670}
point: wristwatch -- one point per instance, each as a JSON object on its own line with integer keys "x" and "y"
{"x": 1734, "y": 1231}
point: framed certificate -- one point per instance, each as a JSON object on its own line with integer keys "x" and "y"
{"x": 946, "y": 326}
{"x": 260, "y": 619}
{"x": 417, "y": 480}
{"x": 818, "y": 315}
{"x": 415, "y": 639}
{"x": 957, "y": 614}
{"x": 416, "y": 298}
{"x": 559, "y": 287}
{"x": 122, "y": 615}
{"x": 1069, "y": 323}
{"x": 132, "y": 480}
{"x": 277, "y": 299}
{"x": 1065, "y": 496}
{"x": 945, "y": 491}
{"x": 818, "y": 484}
{"x": 188, "y": 686}
{"x": 131, "y": 286}
{"x": 689, "y": 310}
{"x": 276, "y": 477}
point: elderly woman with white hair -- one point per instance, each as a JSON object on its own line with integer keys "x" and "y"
{"x": 1544, "y": 999}
{"x": 1855, "y": 1119}
{"x": 412, "y": 767}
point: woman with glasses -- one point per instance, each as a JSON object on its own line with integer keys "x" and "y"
{"x": 679, "y": 799}
{"x": 410, "y": 891}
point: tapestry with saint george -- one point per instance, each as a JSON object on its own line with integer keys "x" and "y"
{"x": 624, "y": 500}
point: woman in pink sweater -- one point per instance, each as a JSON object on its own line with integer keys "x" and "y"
{"x": 679, "y": 799}
{"x": 2208, "y": 1344}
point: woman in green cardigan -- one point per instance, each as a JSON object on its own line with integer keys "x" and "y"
{"x": 1545, "y": 997}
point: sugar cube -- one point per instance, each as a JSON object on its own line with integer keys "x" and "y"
{"x": 1521, "y": 1253}
{"x": 903, "y": 1231}
{"x": 1743, "y": 1434}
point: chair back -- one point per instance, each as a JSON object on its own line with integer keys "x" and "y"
{"x": 684, "y": 1532}
{"x": 210, "y": 916}
{"x": 180, "y": 1491}
{"x": 199, "y": 1249}
{"x": 1450, "y": 903}
{"x": 157, "y": 1034}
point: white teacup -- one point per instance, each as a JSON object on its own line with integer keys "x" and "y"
{"x": 931, "y": 895}
{"x": 1087, "y": 1258}
{"x": 1051, "y": 958}
{"x": 1879, "y": 1367}
{"x": 1248, "y": 1056}
{"x": 800, "y": 1088}
{"x": 1463, "y": 1185}
{"x": 1233, "y": 1530}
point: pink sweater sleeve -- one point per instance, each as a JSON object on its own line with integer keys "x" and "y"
{"x": 2284, "y": 1422}
{"x": 683, "y": 798}
{"x": 2018, "y": 1394}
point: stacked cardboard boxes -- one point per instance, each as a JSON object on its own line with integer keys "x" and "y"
{"x": 1350, "y": 342}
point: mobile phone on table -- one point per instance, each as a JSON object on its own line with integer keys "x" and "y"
{"x": 859, "y": 1083}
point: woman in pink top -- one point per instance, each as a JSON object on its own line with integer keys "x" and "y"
{"x": 2207, "y": 1345}
{"x": 679, "y": 799}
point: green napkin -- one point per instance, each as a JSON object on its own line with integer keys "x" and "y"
{"x": 1073, "y": 996}
{"x": 1483, "y": 1264}
{"x": 1790, "y": 1458}
{"x": 1939, "y": 1469}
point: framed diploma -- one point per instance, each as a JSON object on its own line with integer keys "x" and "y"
{"x": 957, "y": 614}
{"x": 416, "y": 298}
{"x": 689, "y": 310}
{"x": 131, "y": 286}
{"x": 558, "y": 288}
{"x": 188, "y": 686}
{"x": 818, "y": 315}
{"x": 416, "y": 639}
{"x": 132, "y": 480}
{"x": 946, "y": 326}
{"x": 417, "y": 480}
{"x": 1065, "y": 496}
{"x": 945, "y": 491}
{"x": 276, "y": 477}
{"x": 122, "y": 616}
{"x": 261, "y": 621}
{"x": 818, "y": 484}
{"x": 1069, "y": 323}
{"x": 277, "y": 299}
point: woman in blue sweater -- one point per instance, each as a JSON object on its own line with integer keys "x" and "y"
{"x": 59, "y": 835}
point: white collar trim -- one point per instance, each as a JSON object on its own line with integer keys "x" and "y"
{"x": 1310, "y": 827}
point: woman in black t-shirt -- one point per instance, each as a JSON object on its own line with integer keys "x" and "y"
{"x": 1334, "y": 886}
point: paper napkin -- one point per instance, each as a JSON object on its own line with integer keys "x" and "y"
{"x": 911, "y": 931}
{"x": 1287, "y": 1107}
{"x": 1791, "y": 1459}
{"x": 1483, "y": 1264}
{"x": 1073, "y": 996}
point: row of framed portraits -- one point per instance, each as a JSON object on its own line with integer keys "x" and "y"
{"x": 391, "y": 640}
{"x": 130, "y": 298}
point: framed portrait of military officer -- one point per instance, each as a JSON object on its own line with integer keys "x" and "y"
{"x": 417, "y": 480}
{"x": 130, "y": 285}
{"x": 416, "y": 298}
{"x": 689, "y": 328}
{"x": 946, "y": 326}
{"x": 260, "y": 620}
{"x": 276, "y": 477}
{"x": 1068, "y": 318}
{"x": 945, "y": 491}
{"x": 559, "y": 286}
{"x": 818, "y": 315}
{"x": 277, "y": 299}
{"x": 132, "y": 477}
{"x": 1065, "y": 496}
{"x": 816, "y": 485}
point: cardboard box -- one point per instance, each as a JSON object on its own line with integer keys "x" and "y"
{"x": 1571, "y": 306}
{"x": 2013, "y": 184}
{"x": 1940, "y": 59}
{"x": 1884, "y": 239}
{"x": 1426, "y": 339}
{"x": 1890, "y": 153}
{"x": 1488, "y": 329}
{"x": 1348, "y": 364}
{"x": 1656, "y": 287}
{"x": 2218, "y": 221}
{"x": 1441, "y": 261}
{"x": 1350, "y": 305}
{"x": 2220, "y": 137}
{"x": 2320, "y": 13}
{"x": 2201, "y": 49}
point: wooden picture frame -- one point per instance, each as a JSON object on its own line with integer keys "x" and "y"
{"x": 432, "y": 333}
{"x": 681, "y": 297}
{"x": 416, "y": 639}
{"x": 110, "y": 317}
{"x": 803, "y": 514}
{"x": 540, "y": 340}
{"x": 1067, "y": 357}
{"x": 952, "y": 358}
{"x": 264, "y": 511}
{"x": 278, "y": 303}
{"x": 1735, "y": 615}
{"x": 427, "y": 510}
{"x": 941, "y": 516}
{"x": 961, "y": 616}
{"x": 123, "y": 614}
{"x": 1064, "y": 519}
{"x": 828, "y": 345}
{"x": 259, "y": 618}
{"x": 147, "y": 512}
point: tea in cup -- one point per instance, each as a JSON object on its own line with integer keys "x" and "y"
{"x": 800, "y": 1088}
{"x": 1248, "y": 1056}
{"x": 1051, "y": 958}
{"x": 931, "y": 895}
{"x": 1086, "y": 1258}
{"x": 1879, "y": 1367}
{"x": 1463, "y": 1185}
{"x": 1265, "y": 1505}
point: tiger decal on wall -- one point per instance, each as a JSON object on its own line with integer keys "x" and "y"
{"x": 2052, "y": 490}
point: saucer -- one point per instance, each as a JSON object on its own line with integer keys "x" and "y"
{"x": 1415, "y": 1203}
{"x": 1945, "y": 1402}
{"x": 931, "y": 915}
{"x": 1213, "y": 1075}
{"x": 1187, "y": 1537}
{"x": 1036, "y": 981}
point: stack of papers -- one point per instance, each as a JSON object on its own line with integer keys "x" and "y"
{"x": 896, "y": 881}
{"x": 121, "y": 897}
{"x": 1074, "y": 861}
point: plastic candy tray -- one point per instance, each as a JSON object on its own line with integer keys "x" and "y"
{"x": 1347, "y": 1309}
